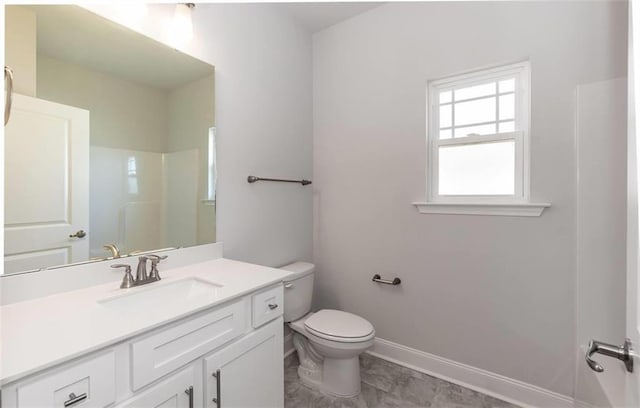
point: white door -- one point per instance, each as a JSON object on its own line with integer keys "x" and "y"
{"x": 46, "y": 184}
{"x": 249, "y": 373}
{"x": 633, "y": 178}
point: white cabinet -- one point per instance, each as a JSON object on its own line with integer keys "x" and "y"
{"x": 180, "y": 390}
{"x": 249, "y": 372}
{"x": 173, "y": 366}
{"x": 267, "y": 305}
{"x": 89, "y": 382}
{"x": 164, "y": 350}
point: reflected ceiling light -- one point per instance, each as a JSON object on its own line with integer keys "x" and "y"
{"x": 181, "y": 26}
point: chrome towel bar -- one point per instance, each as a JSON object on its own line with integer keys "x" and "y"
{"x": 253, "y": 179}
{"x": 377, "y": 278}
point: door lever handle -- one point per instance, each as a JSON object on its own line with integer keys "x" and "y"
{"x": 78, "y": 234}
{"x": 622, "y": 353}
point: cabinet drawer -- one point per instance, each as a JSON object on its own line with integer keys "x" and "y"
{"x": 88, "y": 383}
{"x": 267, "y": 305}
{"x": 167, "y": 349}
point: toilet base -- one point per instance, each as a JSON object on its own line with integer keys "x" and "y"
{"x": 336, "y": 377}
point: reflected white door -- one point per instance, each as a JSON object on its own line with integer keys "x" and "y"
{"x": 46, "y": 184}
{"x": 633, "y": 178}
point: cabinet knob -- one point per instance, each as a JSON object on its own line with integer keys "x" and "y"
{"x": 273, "y": 306}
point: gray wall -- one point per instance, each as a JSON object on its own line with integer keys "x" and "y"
{"x": 126, "y": 115}
{"x": 498, "y": 293}
{"x": 264, "y": 128}
{"x": 263, "y": 119}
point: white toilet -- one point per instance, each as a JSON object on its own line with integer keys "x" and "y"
{"x": 328, "y": 342}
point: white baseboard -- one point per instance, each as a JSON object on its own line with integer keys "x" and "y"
{"x": 486, "y": 382}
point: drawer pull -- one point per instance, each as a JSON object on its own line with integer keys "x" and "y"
{"x": 273, "y": 306}
{"x": 216, "y": 400}
{"x": 74, "y": 399}
{"x": 189, "y": 392}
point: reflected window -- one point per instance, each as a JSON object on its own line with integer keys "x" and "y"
{"x": 132, "y": 175}
{"x": 212, "y": 172}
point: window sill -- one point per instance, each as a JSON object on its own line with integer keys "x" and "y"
{"x": 504, "y": 209}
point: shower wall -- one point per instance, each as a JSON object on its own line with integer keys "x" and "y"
{"x": 601, "y": 136}
{"x": 151, "y": 195}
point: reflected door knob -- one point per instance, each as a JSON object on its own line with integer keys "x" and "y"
{"x": 78, "y": 234}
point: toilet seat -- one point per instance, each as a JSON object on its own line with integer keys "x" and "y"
{"x": 339, "y": 326}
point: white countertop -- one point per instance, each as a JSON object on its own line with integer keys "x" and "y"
{"x": 43, "y": 332}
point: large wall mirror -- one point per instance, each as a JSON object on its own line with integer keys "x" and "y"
{"x": 112, "y": 151}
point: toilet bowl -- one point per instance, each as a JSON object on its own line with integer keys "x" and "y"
{"x": 328, "y": 342}
{"x": 329, "y": 357}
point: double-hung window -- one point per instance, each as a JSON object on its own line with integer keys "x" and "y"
{"x": 478, "y": 137}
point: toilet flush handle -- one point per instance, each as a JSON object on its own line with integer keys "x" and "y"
{"x": 288, "y": 285}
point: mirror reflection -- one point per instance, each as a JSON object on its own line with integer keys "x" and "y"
{"x": 110, "y": 148}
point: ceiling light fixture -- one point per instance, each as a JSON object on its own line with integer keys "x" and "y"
{"x": 182, "y": 26}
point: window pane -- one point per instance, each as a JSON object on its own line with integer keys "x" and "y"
{"x": 475, "y": 91}
{"x": 481, "y": 110}
{"x": 445, "y": 97}
{"x": 445, "y": 116}
{"x": 506, "y": 127}
{"x": 445, "y": 133}
{"x": 477, "y": 169}
{"x": 508, "y": 85}
{"x": 507, "y": 106}
{"x": 477, "y": 130}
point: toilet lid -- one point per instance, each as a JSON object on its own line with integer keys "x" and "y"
{"x": 337, "y": 323}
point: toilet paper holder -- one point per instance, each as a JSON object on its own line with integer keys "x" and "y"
{"x": 377, "y": 278}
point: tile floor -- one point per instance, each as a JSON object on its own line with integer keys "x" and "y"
{"x": 386, "y": 385}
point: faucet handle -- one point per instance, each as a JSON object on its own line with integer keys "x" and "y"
{"x": 127, "y": 280}
{"x": 155, "y": 260}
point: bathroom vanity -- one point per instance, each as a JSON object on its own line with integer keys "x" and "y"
{"x": 193, "y": 339}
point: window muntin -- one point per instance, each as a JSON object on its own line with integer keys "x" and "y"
{"x": 478, "y": 136}
{"x": 477, "y": 109}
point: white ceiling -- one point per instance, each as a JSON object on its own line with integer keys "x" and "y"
{"x": 77, "y": 36}
{"x": 318, "y": 16}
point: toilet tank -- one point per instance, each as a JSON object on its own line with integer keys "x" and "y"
{"x": 298, "y": 290}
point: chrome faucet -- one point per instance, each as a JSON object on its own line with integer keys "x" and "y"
{"x": 141, "y": 278}
{"x": 141, "y": 272}
{"x": 115, "y": 252}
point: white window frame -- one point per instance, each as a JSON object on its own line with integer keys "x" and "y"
{"x": 516, "y": 204}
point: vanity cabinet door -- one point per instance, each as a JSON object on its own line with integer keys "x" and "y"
{"x": 249, "y": 373}
{"x": 180, "y": 390}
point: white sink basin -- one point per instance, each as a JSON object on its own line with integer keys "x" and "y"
{"x": 157, "y": 296}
